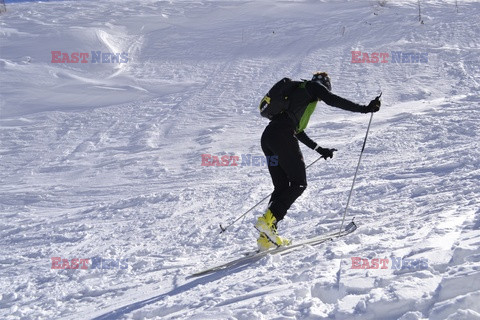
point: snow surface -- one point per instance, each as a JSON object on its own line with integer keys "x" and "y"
{"x": 104, "y": 160}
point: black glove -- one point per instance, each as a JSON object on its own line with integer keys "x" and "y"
{"x": 325, "y": 153}
{"x": 373, "y": 106}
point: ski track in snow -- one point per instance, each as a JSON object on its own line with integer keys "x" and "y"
{"x": 105, "y": 160}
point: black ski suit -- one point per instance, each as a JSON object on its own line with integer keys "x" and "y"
{"x": 280, "y": 138}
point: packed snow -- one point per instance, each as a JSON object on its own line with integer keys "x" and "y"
{"x": 101, "y": 162}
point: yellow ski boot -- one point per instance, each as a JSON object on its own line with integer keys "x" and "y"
{"x": 263, "y": 243}
{"x": 267, "y": 225}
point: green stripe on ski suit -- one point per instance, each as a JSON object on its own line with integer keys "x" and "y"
{"x": 306, "y": 116}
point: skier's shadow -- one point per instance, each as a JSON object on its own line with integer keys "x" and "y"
{"x": 217, "y": 275}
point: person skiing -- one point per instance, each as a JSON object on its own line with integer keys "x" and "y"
{"x": 280, "y": 138}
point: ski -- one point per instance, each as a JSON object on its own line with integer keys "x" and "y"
{"x": 282, "y": 250}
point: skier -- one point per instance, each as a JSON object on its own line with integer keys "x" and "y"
{"x": 280, "y": 138}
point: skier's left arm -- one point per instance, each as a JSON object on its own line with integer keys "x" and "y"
{"x": 305, "y": 139}
{"x": 321, "y": 93}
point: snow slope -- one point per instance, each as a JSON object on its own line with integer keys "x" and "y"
{"x": 104, "y": 160}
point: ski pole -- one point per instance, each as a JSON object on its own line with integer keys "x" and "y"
{"x": 232, "y": 223}
{"x": 356, "y": 171}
